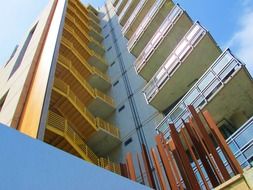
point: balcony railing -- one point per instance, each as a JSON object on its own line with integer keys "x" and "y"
{"x": 175, "y": 59}
{"x": 92, "y": 91}
{"x": 76, "y": 102}
{"x": 118, "y": 5}
{"x": 133, "y": 15}
{"x": 145, "y": 22}
{"x": 60, "y": 123}
{"x": 125, "y": 10}
{"x": 157, "y": 38}
{"x": 78, "y": 29}
{"x": 241, "y": 144}
{"x": 203, "y": 91}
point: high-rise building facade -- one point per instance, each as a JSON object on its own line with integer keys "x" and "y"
{"x": 101, "y": 83}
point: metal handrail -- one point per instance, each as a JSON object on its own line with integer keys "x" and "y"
{"x": 95, "y": 121}
{"x": 80, "y": 29}
{"x": 108, "y": 127}
{"x": 118, "y": 5}
{"x": 129, "y": 2}
{"x": 80, "y": 41}
{"x": 56, "y": 121}
{"x": 81, "y": 21}
{"x": 145, "y": 23}
{"x": 93, "y": 91}
{"x": 159, "y": 35}
{"x": 133, "y": 16}
{"x": 174, "y": 60}
{"x": 203, "y": 90}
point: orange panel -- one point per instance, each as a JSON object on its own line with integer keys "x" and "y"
{"x": 31, "y": 113}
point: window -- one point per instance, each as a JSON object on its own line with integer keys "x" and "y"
{"x": 128, "y": 141}
{"x": 112, "y": 63}
{"x": 114, "y": 84}
{"x": 22, "y": 51}
{"x": 104, "y": 26}
{"x": 109, "y": 48}
{"x": 2, "y": 100}
{"x": 107, "y": 36}
{"x": 121, "y": 108}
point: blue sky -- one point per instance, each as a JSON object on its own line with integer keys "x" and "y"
{"x": 230, "y": 23}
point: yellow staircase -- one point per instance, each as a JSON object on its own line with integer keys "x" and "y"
{"x": 77, "y": 112}
{"x": 62, "y": 128}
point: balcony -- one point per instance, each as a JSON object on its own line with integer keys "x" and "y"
{"x": 225, "y": 90}
{"x": 98, "y": 37}
{"x": 127, "y": 11}
{"x": 93, "y": 10}
{"x": 77, "y": 28}
{"x": 66, "y": 102}
{"x": 77, "y": 48}
{"x": 62, "y": 135}
{"x": 115, "y": 2}
{"x": 96, "y": 78}
{"x": 77, "y": 17}
{"x": 93, "y": 13}
{"x": 96, "y": 47}
{"x": 95, "y": 26}
{"x": 149, "y": 26}
{"x": 188, "y": 61}
{"x": 136, "y": 17}
{"x": 119, "y": 8}
{"x": 167, "y": 36}
{"x": 91, "y": 97}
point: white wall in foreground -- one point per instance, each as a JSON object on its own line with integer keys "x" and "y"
{"x": 28, "y": 164}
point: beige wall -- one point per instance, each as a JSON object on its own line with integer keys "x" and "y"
{"x": 19, "y": 83}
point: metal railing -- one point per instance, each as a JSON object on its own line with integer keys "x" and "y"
{"x": 80, "y": 20}
{"x": 94, "y": 17}
{"x": 108, "y": 127}
{"x": 212, "y": 81}
{"x": 158, "y": 37}
{"x": 104, "y": 97}
{"x": 241, "y": 144}
{"x": 60, "y": 123}
{"x": 174, "y": 60}
{"x": 71, "y": 11}
{"x": 133, "y": 15}
{"x": 118, "y": 5}
{"x": 85, "y": 47}
{"x": 109, "y": 165}
{"x": 145, "y": 23}
{"x": 84, "y": 33}
{"x": 76, "y": 102}
{"x": 92, "y": 91}
{"x": 80, "y": 7}
{"x": 129, "y": 2}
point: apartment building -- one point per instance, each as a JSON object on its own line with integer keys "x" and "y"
{"x": 99, "y": 83}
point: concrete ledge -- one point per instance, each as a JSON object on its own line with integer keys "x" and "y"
{"x": 238, "y": 182}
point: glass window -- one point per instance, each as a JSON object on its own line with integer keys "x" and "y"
{"x": 222, "y": 63}
{"x": 249, "y": 152}
{"x": 233, "y": 147}
{"x": 181, "y": 47}
{"x": 193, "y": 32}
{"x": 191, "y": 97}
{"x": 206, "y": 80}
{"x": 172, "y": 59}
{"x": 245, "y": 137}
{"x": 241, "y": 159}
